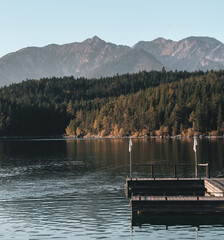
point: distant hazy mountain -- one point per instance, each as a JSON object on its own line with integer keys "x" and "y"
{"x": 95, "y": 58}
{"x": 189, "y": 54}
{"x": 132, "y": 61}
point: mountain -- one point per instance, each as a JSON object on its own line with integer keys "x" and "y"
{"x": 77, "y": 59}
{"x": 189, "y": 54}
{"x": 94, "y": 58}
{"x": 133, "y": 61}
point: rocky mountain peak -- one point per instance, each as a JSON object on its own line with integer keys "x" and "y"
{"x": 208, "y": 40}
{"x": 95, "y": 58}
{"x": 161, "y": 40}
{"x": 94, "y": 41}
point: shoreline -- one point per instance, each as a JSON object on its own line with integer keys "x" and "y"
{"x": 139, "y": 137}
{"x": 108, "y": 137}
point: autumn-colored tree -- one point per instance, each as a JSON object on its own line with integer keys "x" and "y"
{"x": 116, "y": 130}
{"x": 121, "y": 132}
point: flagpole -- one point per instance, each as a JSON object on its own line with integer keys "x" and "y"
{"x": 196, "y": 165}
{"x": 130, "y": 148}
{"x": 130, "y": 166}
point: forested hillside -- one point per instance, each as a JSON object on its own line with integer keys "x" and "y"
{"x": 147, "y": 103}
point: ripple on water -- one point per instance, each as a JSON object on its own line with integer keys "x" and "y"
{"x": 75, "y": 190}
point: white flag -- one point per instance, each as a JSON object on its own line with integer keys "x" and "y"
{"x": 130, "y": 144}
{"x": 195, "y": 144}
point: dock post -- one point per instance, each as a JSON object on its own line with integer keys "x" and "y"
{"x": 207, "y": 171}
{"x": 130, "y": 148}
{"x": 152, "y": 170}
{"x": 175, "y": 171}
{"x": 196, "y": 165}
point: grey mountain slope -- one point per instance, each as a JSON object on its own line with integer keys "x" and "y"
{"x": 95, "y": 57}
{"x": 77, "y": 59}
{"x": 189, "y": 54}
{"x": 133, "y": 61}
{"x": 155, "y": 47}
{"x": 193, "y": 47}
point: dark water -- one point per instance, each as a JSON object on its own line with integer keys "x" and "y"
{"x": 74, "y": 189}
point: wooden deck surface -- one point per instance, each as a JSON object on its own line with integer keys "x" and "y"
{"x": 168, "y": 179}
{"x": 176, "y": 198}
{"x": 215, "y": 186}
{"x": 220, "y": 181}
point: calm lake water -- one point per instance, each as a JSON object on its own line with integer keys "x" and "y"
{"x": 74, "y": 189}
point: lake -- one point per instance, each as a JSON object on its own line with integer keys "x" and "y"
{"x": 74, "y": 188}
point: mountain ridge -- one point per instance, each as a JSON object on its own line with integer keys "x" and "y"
{"x": 94, "y": 58}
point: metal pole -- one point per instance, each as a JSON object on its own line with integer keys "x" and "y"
{"x": 207, "y": 171}
{"x": 152, "y": 171}
{"x": 130, "y": 166}
{"x": 175, "y": 171}
{"x": 196, "y": 165}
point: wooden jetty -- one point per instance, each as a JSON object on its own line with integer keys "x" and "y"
{"x": 176, "y": 204}
{"x": 176, "y": 196}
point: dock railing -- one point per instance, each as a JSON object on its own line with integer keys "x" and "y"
{"x": 153, "y": 165}
{"x": 206, "y": 165}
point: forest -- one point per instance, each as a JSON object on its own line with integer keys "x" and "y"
{"x": 156, "y": 103}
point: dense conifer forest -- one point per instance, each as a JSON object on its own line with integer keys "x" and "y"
{"x": 143, "y": 104}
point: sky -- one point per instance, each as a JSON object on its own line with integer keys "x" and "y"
{"x": 38, "y": 23}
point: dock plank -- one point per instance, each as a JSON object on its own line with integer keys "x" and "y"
{"x": 176, "y": 198}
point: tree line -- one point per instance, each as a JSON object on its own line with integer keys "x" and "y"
{"x": 145, "y": 103}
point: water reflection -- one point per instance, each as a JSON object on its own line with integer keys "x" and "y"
{"x": 68, "y": 189}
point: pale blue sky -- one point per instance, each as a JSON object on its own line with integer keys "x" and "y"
{"x": 41, "y": 22}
